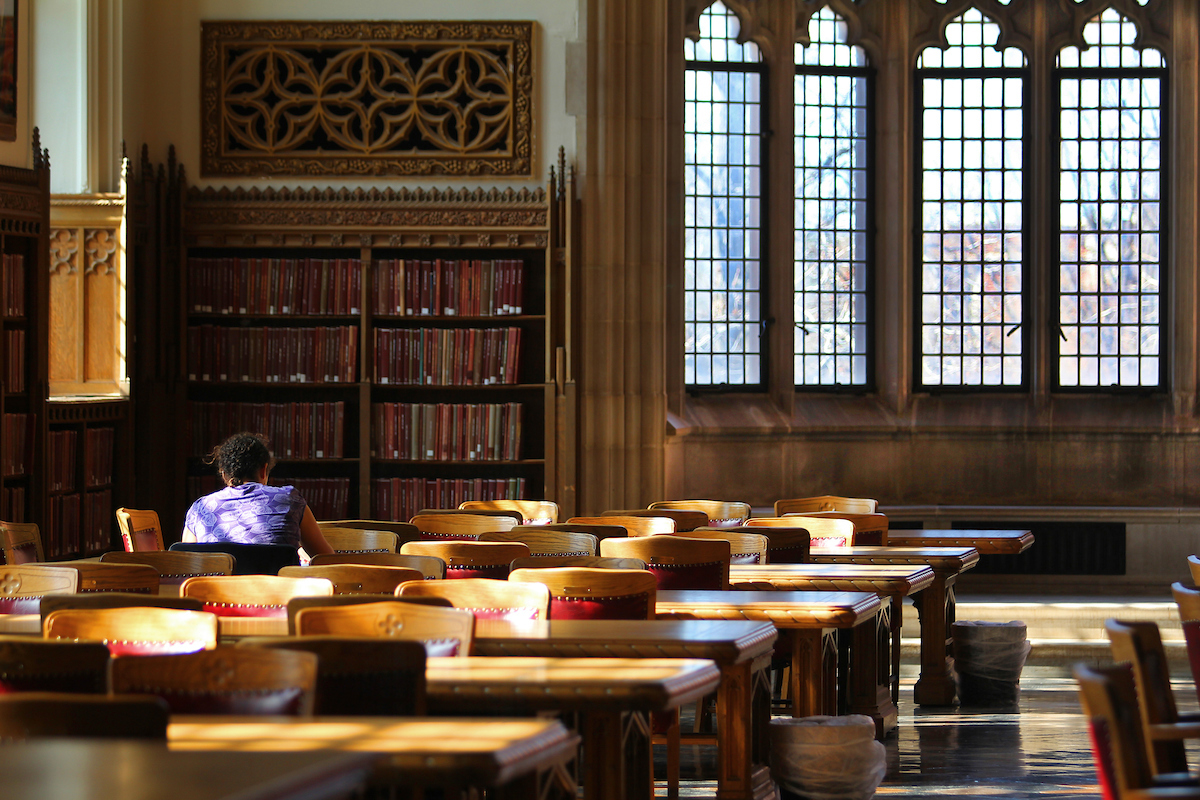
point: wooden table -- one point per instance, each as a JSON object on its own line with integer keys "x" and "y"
{"x": 509, "y": 756}
{"x": 895, "y": 582}
{"x": 809, "y": 620}
{"x": 935, "y": 605}
{"x": 145, "y": 770}
{"x": 741, "y": 650}
{"x": 988, "y": 543}
{"x": 612, "y": 696}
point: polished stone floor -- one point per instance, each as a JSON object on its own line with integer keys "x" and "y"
{"x": 1039, "y": 751}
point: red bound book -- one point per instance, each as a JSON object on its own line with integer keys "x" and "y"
{"x": 519, "y": 287}
{"x": 514, "y": 355}
{"x": 392, "y": 431}
{"x": 410, "y": 288}
{"x": 356, "y": 285}
{"x": 437, "y": 286}
{"x": 398, "y": 287}
{"x": 427, "y": 362}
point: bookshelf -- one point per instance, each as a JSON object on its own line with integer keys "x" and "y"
{"x": 24, "y": 301}
{"x": 401, "y": 349}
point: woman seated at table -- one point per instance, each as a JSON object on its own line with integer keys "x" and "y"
{"x": 247, "y": 510}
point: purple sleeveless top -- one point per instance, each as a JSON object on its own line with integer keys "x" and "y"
{"x": 248, "y": 514}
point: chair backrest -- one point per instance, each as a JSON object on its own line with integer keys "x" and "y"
{"x": 354, "y": 540}
{"x": 175, "y": 567}
{"x": 1194, "y": 568}
{"x": 370, "y": 677}
{"x": 356, "y": 578}
{"x": 23, "y": 587}
{"x": 298, "y": 604}
{"x": 248, "y": 559}
{"x": 1188, "y": 601}
{"x": 96, "y": 576}
{"x": 677, "y": 562}
{"x": 1110, "y": 703}
{"x": 591, "y": 562}
{"x": 547, "y": 543}
{"x": 784, "y": 545}
{"x": 633, "y": 525}
{"x": 582, "y": 593}
{"x": 135, "y": 630}
{"x": 684, "y": 520}
{"x": 405, "y": 531}
{"x": 432, "y": 568}
{"x": 486, "y": 599}
{"x": 31, "y": 715}
{"x": 745, "y": 548}
{"x": 140, "y": 530}
{"x": 599, "y": 531}
{"x": 252, "y": 595}
{"x": 227, "y": 680}
{"x": 460, "y": 525}
{"x": 29, "y": 664}
{"x": 869, "y": 529}
{"x": 98, "y": 600}
{"x": 533, "y": 512}
{"x": 443, "y": 631}
{"x": 21, "y": 543}
{"x": 471, "y": 559}
{"x": 826, "y": 502}
{"x": 1140, "y": 644}
{"x": 720, "y": 513}
{"x": 822, "y": 531}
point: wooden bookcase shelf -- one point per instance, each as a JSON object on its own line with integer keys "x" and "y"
{"x": 187, "y": 240}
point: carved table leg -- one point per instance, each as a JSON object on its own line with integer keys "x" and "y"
{"x": 617, "y": 757}
{"x": 935, "y": 606}
{"x": 743, "y": 716}
{"x": 813, "y": 677}
{"x": 868, "y": 691}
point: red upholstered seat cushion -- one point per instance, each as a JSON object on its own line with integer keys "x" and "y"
{"x": 787, "y": 555}
{"x": 280, "y": 701}
{"x": 1191, "y": 634}
{"x": 709, "y": 575}
{"x": 20, "y": 605}
{"x": 246, "y": 610}
{"x": 1102, "y": 752}
{"x": 127, "y": 648}
{"x": 508, "y": 614}
{"x": 24, "y": 554}
{"x": 426, "y": 536}
{"x": 630, "y": 606}
{"x": 829, "y": 541}
{"x": 745, "y": 558}
{"x": 497, "y": 571}
{"x": 441, "y": 647}
{"x": 146, "y": 539}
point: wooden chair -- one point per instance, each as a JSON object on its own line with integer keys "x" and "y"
{"x": 471, "y": 559}
{"x": 248, "y": 559}
{"x": 356, "y": 578}
{"x": 405, "y": 531}
{"x": 868, "y": 528}
{"x": 23, "y": 587}
{"x": 721, "y": 514}
{"x": 547, "y": 543}
{"x": 459, "y": 525}
{"x": 1110, "y": 704}
{"x": 432, "y": 568}
{"x": 31, "y": 715}
{"x": 1194, "y": 567}
{"x": 140, "y": 530}
{"x": 745, "y": 548}
{"x": 96, "y": 576}
{"x": 29, "y": 664}
{"x": 175, "y": 567}
{"x": 1188, "y": 601}
{"x": 361, "y": 677}
{"x": 21, "y": 543}
{"x": 1164, "y": 728}
{"x": 252, "y": 595}
{"x": 443, "y": 631}
{"x": 135, "y": 630}
{"x": 684, "y": 520}
{"x": 826, "y": 502}
{"x": 634, "y": 526}
{"x": 822, "y": 531}
{"x": 298, "y": 604}
{"x": 533, "y": 512}
{"x": 354, "y": 540}
{"x": 486, "y": 599}
{"x": 227, "y": 680}
{"x": 582, "y": 593}
{"x": 101, "y": 600}
{"x": 784, "y": 545}
{"x": 601, "y": 532}
{"x": 591, "y": 562}
{"x": 677, "y": 562}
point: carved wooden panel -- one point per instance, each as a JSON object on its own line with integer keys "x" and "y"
{"x": 101, "y": 293}
{"x": 65, "y": 312}
{"x": 366, "y": 98}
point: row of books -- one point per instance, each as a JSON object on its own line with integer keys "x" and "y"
{"x": 295, "y": 430}
{"x": 329, "y": 498}
{"x": 273, "y": 355}
{"x": 12, "y": 504}
{"x": 17, "y": 453}
{"x": 61, "y": 460}
{"x": 446, "y": 431}
{"x": 448, "y": 287}
{"x": 447, "y": 356}
{"x": 400, "y": 499}
{"x": 14, "y": 360}
{"x": 98, "y": 459}
{"x": 13, "y": 265}
{"x": 267, "y": 286}
{"x": 68, "y": 533}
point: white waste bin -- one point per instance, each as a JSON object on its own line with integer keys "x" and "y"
{"x": 988, "y": 658}
{"x": 827, "y": 758}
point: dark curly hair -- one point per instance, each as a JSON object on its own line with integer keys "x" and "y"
{"x": 241, "y": 457}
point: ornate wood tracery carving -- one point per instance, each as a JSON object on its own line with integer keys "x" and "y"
{"x": 63, "y": 247}
{"x": 99, "y": 246}
{"x": 367, "y": 98}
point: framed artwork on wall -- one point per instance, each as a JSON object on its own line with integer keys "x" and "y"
{"x": 8, "y": 70}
